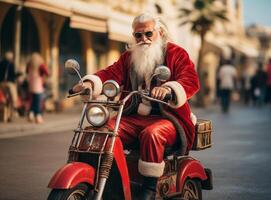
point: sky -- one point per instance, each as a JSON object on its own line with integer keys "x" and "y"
{"x": 257, "y": 11}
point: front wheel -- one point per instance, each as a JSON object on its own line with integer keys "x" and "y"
{"x": 79, "y": 192}
{"x": 192, "y": 190}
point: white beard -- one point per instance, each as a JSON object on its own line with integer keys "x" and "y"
{"x": 145, "y": 58}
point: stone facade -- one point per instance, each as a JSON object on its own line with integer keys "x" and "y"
{"x": 95, "y": 32}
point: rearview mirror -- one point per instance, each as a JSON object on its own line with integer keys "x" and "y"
{"x": 72, "y": 67}
{"x": 162, "y": 73}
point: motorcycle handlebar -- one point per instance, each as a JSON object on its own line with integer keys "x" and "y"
{"x": 164, "y": 101}
{"x": 71, "y": 91}
{"x": 85, "y": 91}
{"x": 146, "y": 96}
{"x": 167, "y": 97}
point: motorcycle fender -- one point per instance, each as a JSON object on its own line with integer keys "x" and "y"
{"x": 72, "y": 174}
{"x": 190, "y": 168}
{"x": 122, "y": 167}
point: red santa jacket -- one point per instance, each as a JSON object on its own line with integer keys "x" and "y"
{"x": 183, "y": 81}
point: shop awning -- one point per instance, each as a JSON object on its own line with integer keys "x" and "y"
{"x": 228, "y": 44}
{"x": 220, "y": 44}
{"x": 91, "y": 18}
{"x": 60, "y": 7}
{"x": 95, "y": 17}
{"x": 245, "y": 49}
{"x": 16, "y": 2}
{"x": 81, "y": 14}
{"x": 242, "y": 46}
{"x": 86, "y": 23}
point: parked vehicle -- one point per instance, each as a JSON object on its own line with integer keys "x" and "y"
{"x": 99, "y": 167}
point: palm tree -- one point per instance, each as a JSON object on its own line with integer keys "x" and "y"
{"x": 202, "y": 17}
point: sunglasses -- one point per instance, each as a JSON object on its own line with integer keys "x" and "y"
{"x": 148, "y": 34}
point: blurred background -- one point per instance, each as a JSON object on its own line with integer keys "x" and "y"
{"x": 95, "y": 33}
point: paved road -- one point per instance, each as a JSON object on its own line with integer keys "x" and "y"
{"x": 240, "y": 158}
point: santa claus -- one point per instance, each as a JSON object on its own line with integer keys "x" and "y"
{"x": 154, "y": 126}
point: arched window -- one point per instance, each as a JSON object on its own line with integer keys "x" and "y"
{"x": 70, "y": 46}
{"x": 7, "y": 31}
{"x": 100, "y": 47}
{"x": 29, "y": 34}
{"x": 29, "y": 37}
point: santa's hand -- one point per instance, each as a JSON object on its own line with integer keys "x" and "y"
{"x": 160, "y": 92}
{"x": 80, "y": 87}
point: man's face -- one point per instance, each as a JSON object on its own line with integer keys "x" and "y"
{"x": 145, "y": 32}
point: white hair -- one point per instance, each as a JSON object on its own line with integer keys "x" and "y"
{"x": 159, "y": 24}
{"x": 145, "y": 17}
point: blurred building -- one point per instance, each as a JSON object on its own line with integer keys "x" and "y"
{"x": 95, "y": 32}
{"x": 228, "y": 41}
{"x": 262, "y": 37}
{"x": 91, "y": 31}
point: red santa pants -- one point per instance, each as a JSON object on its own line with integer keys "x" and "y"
{"x": 153, "y": 133}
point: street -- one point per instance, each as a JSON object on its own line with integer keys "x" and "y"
{"x": 240, "y": 157}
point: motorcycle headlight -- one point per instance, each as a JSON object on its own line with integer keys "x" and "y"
{"x": 110, "y": 88}
{"x": 97, "y": 115}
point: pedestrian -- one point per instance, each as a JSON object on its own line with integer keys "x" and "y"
{"x": 268, "y": 89}
{"x": 246, "y": 84}
{"x": 207, "y": 89}
{"x": 36, "y": 72}
{"x": 8, "y": 80}
{"x": 143, "y": 121}
{"x": 259, "y": 85}
{"x": 227, "y": 76}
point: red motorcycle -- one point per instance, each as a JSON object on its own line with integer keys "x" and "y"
{"x": 100, "y": 168}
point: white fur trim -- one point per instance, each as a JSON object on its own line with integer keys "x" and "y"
{"x": 97, "y": 84}
{"x": 151, "y": 169}
{"x": 193, "y": 118}
{"x": 179, "y": 91}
